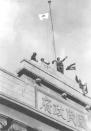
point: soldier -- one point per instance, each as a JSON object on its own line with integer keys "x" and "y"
{"x": 60, "y": 65}
{"x": 33, "y": 57}
{"x": 85, "y": 90}
{"x": 81, "y": 85}
{"x": 42, "y": 60}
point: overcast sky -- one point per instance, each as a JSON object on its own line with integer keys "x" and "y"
{"x": 22, "y": 32}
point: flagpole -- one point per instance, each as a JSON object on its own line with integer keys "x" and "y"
{"x": 52, "y": 29}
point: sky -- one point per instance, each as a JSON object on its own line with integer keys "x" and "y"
{"x": 22, "y": 33}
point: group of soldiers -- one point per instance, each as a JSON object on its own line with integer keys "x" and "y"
{"x": 60, "y": 68}
{"x": 59, "y": 63}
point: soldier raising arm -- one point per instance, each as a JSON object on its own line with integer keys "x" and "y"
{"x": 59, "y": 64}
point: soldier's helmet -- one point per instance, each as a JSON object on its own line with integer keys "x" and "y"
{"x": 34, "y": 53}
{"x": 58, "y": 58}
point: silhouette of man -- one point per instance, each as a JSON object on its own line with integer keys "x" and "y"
{"x": 59, "y": 63}
{"x": 33, "y": 57}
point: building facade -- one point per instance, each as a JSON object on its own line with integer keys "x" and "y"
{"x": 41, "y": 99}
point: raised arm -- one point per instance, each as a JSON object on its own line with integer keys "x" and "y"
{"x": 53, "y": 61}
{"x": 64, "y": 59}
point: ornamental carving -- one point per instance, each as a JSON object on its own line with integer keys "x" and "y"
{"x": 3, "y": 122}
{"x": 61, "y": 112}
{"x": 17, "y": 127}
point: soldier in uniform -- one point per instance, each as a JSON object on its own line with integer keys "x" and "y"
{"x": 33, "y": 57}
{"x": 81, "y": 85}
{"x": 59, "y": 63}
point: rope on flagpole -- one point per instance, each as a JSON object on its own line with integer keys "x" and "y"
{"x": 52, "y": 28}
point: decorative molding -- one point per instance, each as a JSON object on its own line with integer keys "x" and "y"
{"x": 64, "y": 95}
{"x": 88, "y": 107}
{"x": 38, "y": 81}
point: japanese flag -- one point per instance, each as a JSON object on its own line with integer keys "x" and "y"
{"x": 43, "y": 16}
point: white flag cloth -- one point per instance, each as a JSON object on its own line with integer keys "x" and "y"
{"x": 43, "y": 16}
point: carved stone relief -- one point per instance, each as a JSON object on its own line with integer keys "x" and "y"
{"x": 3, "y": 122}
{"x": 17, "y": 127}
{"x": 8, "y": 124}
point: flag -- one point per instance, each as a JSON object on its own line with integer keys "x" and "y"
{"x": 43, "y": 16}
{"x": 71, "y": 67}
